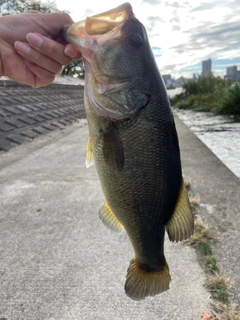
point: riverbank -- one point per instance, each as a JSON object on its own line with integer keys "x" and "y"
{"x": 220, "y": 133}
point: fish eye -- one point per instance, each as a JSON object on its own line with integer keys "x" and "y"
{"x": 135, "y": 40}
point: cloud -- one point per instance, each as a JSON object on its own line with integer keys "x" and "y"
{"x": 175, "y": 4}
{"x": 183, "y": 32}
{"x": 168, "y": 4}
{"x": 152, "y": 23}
{"x": 213, "y": 5}
{"x": 152, "y": 2}
{"x": 219, "y": 38}
{"x": 203, "y": 7}
{"x": 153, "y": 20}
{"x": 176, "y": 27}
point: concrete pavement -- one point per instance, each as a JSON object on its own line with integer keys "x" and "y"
{"x": 57, "y": 260}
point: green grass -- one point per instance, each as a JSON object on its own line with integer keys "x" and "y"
{"x": 219, "y": 288}
{"x": 212, "y": 264}
{"x": 206, "y": 248}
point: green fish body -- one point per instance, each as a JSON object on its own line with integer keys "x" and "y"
{"x": 133, "y": 143}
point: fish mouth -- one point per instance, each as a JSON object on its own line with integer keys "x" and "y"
{"x": 100, "y": 29}
{"x": 96, "y": 29}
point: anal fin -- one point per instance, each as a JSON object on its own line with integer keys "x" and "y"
{"x": 89, "y": 157}
{"x": 109, "y": 219}
{"x": 181, "y": 224}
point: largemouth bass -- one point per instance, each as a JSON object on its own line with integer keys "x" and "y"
{"x": 133, "y": 142}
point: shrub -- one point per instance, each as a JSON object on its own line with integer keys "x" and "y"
{"x": 229, "y": 101}
{"x": 209, "y": 94}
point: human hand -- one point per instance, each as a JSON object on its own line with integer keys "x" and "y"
{"x": 32, "y": 50}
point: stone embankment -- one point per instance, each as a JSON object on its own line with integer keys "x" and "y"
{"x": 26, "y": 113}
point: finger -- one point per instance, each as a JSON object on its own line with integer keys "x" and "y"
{"x": 42, "y": 76}
{"x": 48, "y": 47}
{"x": 71, "y": 52}
{"x": 38, "y": 58}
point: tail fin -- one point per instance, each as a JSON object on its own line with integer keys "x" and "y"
{"x": 141, "y": 283}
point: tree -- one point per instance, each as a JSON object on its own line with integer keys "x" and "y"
{"x": 16, "y": 6}
{"x": 75, "y": 68}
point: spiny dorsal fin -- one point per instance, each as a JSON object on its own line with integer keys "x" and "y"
{"x": 181, "y": 224}
{"x": 141, "y": 283}
{"x": 109, "y": 219}
{"x": 89, "y": 157}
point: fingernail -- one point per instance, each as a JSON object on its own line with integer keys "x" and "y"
{"x": 34, "y": 40}
{"x": 22, "y": 47}
{"x": 71, "y": 53}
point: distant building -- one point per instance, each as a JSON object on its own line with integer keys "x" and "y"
{"x": 206, "y": 67}
{"x": 166, "y": 78}
{"x": 232, "y": 73}
{"x": 169, "y": 83}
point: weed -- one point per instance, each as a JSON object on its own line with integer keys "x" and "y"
{"x": 206, "y": 249}
{"x": 201, "y": 236}
{"x": 212, "y": 264}
{"x": 224, "y": 311}
{"x": 219, "y": 287}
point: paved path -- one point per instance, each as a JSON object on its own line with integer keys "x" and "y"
{"x": 57, "y": 261}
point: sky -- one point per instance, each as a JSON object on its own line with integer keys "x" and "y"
{"x": 182, "y": 33}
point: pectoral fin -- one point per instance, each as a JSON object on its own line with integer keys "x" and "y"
{"x": 89, "y": 157}
{"x": 112, "y": 147}
{"x": 181, "y": 224}
{"x": 109, "y": 219}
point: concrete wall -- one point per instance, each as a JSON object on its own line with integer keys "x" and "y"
{"x": 26, "y": 113}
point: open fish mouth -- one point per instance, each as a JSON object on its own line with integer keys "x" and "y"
{"x": 96, "y": 29}
{"x": 105, "y": 22}
{"x": 101, "y": 29}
